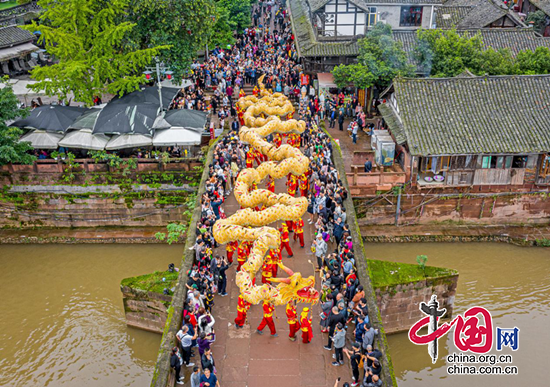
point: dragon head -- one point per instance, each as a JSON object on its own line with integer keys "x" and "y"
{"x": 296, "y": 287}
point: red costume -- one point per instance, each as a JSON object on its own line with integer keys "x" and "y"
{"x": 299, "y": 231}
{"x": 230, "y": 249}
{"x": 241, "y": 255}
{"x": 292, "y": 184}
{"x": 268, "y": 318}
{"x": 292, "y": 319}
{"x": 250, "y": 159}
{"x": 267, "y": 272}
{"x": 242, "y": 310}
{"x": 305, "y": 324}
{"x": 304, "y": 185}
{"x": 285, "y": 240}
{"x": 270, "y": 185}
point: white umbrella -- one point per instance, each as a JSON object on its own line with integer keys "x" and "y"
{"x": 176, "y": 136}
{"x": 40, "y": 139}
{"x": 84, "y": 139}
{"x": 123, "y": 141}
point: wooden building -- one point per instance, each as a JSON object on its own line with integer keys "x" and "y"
{"x": 472, "y": 131}
{"x": 327, "y": 31}
{"x": 528, "y": 6}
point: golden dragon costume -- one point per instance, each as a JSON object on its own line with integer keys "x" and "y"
{"x": 262, "y": 118}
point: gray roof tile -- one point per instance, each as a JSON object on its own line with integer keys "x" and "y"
{"x": 473, "y": 115}
{"x": 13, "y": 35}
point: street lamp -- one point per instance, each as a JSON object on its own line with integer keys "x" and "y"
{"x": 148, "y": 75}
{"x": 168, "y": 74}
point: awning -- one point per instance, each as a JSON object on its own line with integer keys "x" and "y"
{"x": 183, "y": 118}
{"x": 86, "y": 120}
{"x": 176, "y": 136}
{"x": 125, "y": 119}
{"x": 41, "y": 139}
{"x": 17, "y": 51}
{"x": 149, "y": 94}
{"x": 52, "y": 118}
{"x": 84, "y": 139}
{"x": 124, "y": 141}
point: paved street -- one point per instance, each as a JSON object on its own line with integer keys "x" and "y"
{"x": 244, "y": 358}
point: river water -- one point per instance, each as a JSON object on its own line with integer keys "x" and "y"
{"x": 62, "y": 319}
{"x": 512, "y": 282}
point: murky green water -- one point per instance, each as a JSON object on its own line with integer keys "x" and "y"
{"x": 513, "y": 283}
{"x": 62, "y": 319}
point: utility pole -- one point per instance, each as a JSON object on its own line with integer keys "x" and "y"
{"x": 158, "y": 82}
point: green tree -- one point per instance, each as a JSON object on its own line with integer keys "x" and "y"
{"x": 445, "y": 53}
{"x": 12, "y": 151}
{"x": 233, "y": 16}
{"x": 534, "y": 62}
{"x": 186, "y": 26}
{"x": 538, "y": 19}
{"x": 380, "y": 60}
{"x": 88, "y": 39}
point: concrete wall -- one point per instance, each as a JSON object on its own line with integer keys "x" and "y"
{"x": 498, "y": 208}
{"x": 399, "y": 304}
{"x": 145, "y": 310}
{"x": 392, "y": 15}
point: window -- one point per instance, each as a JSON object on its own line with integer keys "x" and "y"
{"x": 372, "y": 16}
{"x": 503, "y": 162}
{"x": 519, "y": 161}
{"x": 411, "y": 17}
{"x": 545, "y": 166}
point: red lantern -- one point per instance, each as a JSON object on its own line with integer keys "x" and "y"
{"x": 168, "y": 74}
{"x": 147, "y": 75}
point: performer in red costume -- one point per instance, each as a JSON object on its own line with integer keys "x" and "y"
{"x": 250, "y": 158}
{"x": 242, "y": 310}
{"x": 292, "y": 184}
{"x": 284, "y": 240}
{"x": 230, "y": 249}
{"x": 241, "y": 255}
{"x": 305, "y": 324}
{"x": 299, "y": 231}
{"x": 304, "y": 185}
{"x": 267, "y": 320}
{"x": 292, "y": 319}
{"x": 270, "y": 184}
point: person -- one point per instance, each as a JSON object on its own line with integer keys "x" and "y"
{"x": 206, "y": 322}
{"x": 339, "y": 340}
{"x": 267, "y": 320}
{"x": 242, "y": 310}
{"x": 285, "y": 239}
{"x": 207, "y": 361}
{"x": 293, "y": 323}
{"x": 334, "y": 318}
{"x": 355, "y": 359}
{"x": 372, "y": 381}
{"x": 305, "y": 324}
{"x": 368, "y": 336}
{"x": 204, "y": 341}
{"x": 368, "y": 166}
{"x": 299, "y": 231}
{"x": 176, "y": 362}
{"x": 341, "y": 122}
{"x": 195, "y": 377}
{"x": 208, "y": 379}
{"x": 372, "y": 355}
{"x": 320, "y": 250}
{"x": 186, "y": 342}
{"x": 354, "y": 133}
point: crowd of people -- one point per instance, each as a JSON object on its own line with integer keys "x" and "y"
{"x": 343, "y": 309}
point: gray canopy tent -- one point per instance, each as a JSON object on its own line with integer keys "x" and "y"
{"x": 51, "y": 118}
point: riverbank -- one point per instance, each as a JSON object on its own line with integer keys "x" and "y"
{"x": 522, "y": 235}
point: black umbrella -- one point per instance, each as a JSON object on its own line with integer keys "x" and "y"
{"x": 148, "y": 95}
{"x": 194, "y": 120}
{"x": 51, "y": 118}
{"x": 127, "y": 119}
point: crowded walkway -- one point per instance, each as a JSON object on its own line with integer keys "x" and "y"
{"x": 218, "y": 349}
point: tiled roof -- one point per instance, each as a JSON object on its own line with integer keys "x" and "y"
{"x": 316, "y": 5}
{"x": 514, "y": 39}
{"x": 543, "y": 5}
{"x": 469, "y": 14}
{"x": 306, "y": 42}
{"x": 447, "y": 17}
{"x": 13, "y": 35}
{"x": 394, "y": 125}
{"x": 502, "y": 114}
